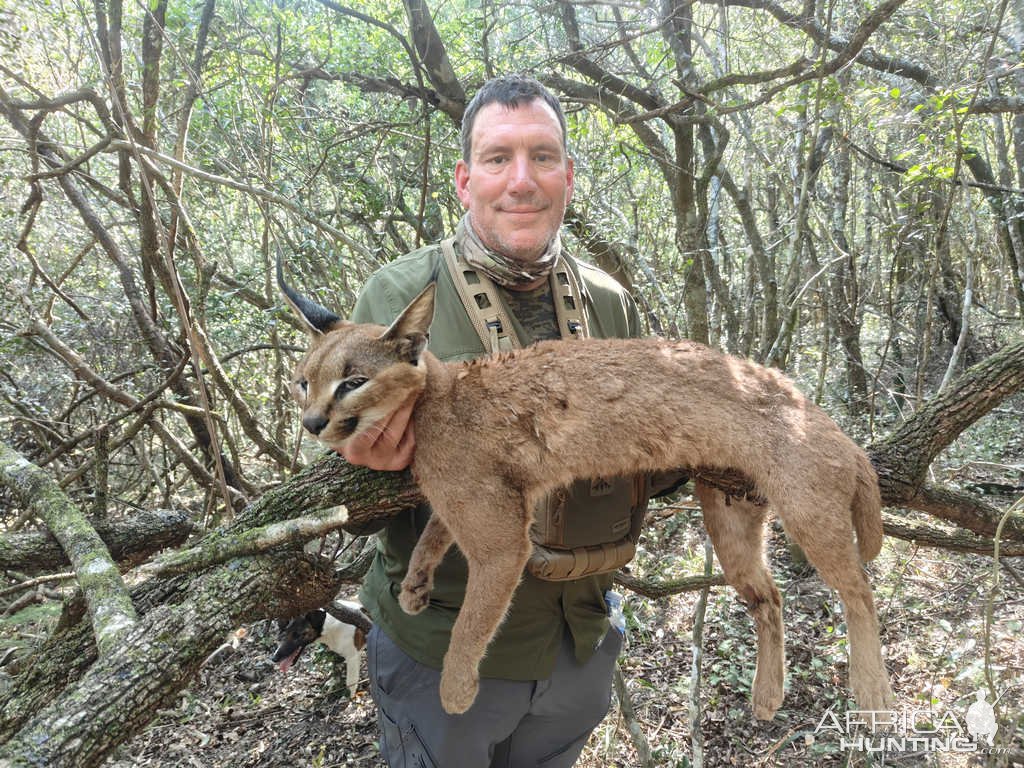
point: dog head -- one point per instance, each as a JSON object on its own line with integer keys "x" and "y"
{"x": 295, "y": 634}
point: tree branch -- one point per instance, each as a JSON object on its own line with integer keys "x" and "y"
{"x": 902, "y": 458}
{"x": 110, "y": 607}
{"x": 219, "y": 546}
{"x": 161, "y": 654}
{"x": 133, "y": 538}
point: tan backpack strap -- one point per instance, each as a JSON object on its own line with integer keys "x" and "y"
{"x": 483, "y": 305}
{"x": 568, "y": 299}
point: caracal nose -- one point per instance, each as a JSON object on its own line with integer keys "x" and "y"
{"x": 314, "y": 422}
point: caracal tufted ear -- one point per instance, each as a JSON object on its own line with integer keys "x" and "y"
{"x": 410, "y": 330}
{"x": 318, "y": 319}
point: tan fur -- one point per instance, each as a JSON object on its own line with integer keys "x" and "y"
{"x": 493, "y": 435}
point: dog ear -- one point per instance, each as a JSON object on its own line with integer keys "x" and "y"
{"x": 410, "y": 330}
{"x": 318, "y": 319}
{"x": 316, "y": 619}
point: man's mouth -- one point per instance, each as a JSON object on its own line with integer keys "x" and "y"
{"x": 523, "y": 210}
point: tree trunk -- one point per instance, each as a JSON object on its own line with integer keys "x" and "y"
{"x": 120, "y": 693}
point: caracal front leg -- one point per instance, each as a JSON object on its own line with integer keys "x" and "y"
{"x": 492, "y": 582}
{"x": 490, "y": 525}
{"x": 426, "y": 555}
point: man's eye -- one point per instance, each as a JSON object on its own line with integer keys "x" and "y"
{"x": 548, "y": 160}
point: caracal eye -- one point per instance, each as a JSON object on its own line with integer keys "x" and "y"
{"x": 348, "y": 385}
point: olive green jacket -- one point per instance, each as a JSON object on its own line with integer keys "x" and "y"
{"x": 527, "y": 642}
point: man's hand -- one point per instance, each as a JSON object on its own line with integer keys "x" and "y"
{"x": 388, "y": 445}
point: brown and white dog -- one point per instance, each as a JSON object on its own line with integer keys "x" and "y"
{"x": 342, "y": 627}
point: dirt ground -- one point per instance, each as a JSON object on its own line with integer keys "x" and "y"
{"x": 243, "y": 712}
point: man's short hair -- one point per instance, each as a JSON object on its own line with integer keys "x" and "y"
{"x": 512, "y": 91}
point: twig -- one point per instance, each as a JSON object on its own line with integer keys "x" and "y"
{"x": 697, "y": 651}
{"x": 636, "y": 733}
{"x": 23, "y": 602}
{"x": 993, "y": 593}
{"x": 657, "y": 589}
{"x": 35, "y": 582}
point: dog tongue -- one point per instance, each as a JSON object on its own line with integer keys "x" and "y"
{"x": 286, "y": 664}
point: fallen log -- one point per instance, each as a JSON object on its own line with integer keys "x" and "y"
{"x": 131, "y": 540}
{"x": 120, "y": 692}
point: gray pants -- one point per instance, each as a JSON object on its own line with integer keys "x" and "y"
{"x": 536, "y": 724}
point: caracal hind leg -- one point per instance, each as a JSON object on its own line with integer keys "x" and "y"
{"x": 426, "y": 555}
{"x": 737, "y": 533}
{"x": 824, "y": 531}
{"x": 496, "y": 544}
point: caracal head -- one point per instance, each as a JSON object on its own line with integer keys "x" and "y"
{"x": 354, "y": 376}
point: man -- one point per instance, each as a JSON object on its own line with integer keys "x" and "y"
{"x": 546, "y": 680}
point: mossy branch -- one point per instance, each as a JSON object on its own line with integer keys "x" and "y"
{"x": 131, "y": 539}
{"x": 221, "y": 546}
{"x": 110, "y": 606}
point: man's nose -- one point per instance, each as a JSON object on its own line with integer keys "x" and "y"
{"x": 521, "y": 178}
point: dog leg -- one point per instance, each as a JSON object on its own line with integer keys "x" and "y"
{"x": 352, "y": 671}
{"x": 426, "y": 555}
{"x": 826, "y": 537}
{"x": 737, "y": 533}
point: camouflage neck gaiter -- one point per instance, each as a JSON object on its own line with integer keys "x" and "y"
{"x": 501, "y": 269}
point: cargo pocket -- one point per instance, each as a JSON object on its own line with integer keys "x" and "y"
{"x": 402, "y": 747}
{"x": 391, "y": 671}
{"x": 566, "y": 756}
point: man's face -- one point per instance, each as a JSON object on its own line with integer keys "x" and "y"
{"x": 518, "y": 180}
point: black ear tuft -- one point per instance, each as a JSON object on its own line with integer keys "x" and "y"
{"x": 319, "y": 319}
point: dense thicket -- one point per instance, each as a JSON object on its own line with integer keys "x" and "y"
{"x": 835, "y": 189}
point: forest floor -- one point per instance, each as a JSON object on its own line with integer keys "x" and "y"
{"x": 243, "y": 712}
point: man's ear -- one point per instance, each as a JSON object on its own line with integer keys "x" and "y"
{"x": 570, "y": 180}
{"x": 411, "y": 329}
{"x": 318, "y": 319}
{"x": 462, "y": 182}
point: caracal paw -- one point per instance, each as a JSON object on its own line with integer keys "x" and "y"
{"x": 767, "y": 693}
{"x": 873, "y": 693}
{"x": 414, "y": 597}
{"x": 458, "y": 690}
{"x": 765, "y": 701}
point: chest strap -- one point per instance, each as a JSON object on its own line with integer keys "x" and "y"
{"x": 487, "y": 311}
